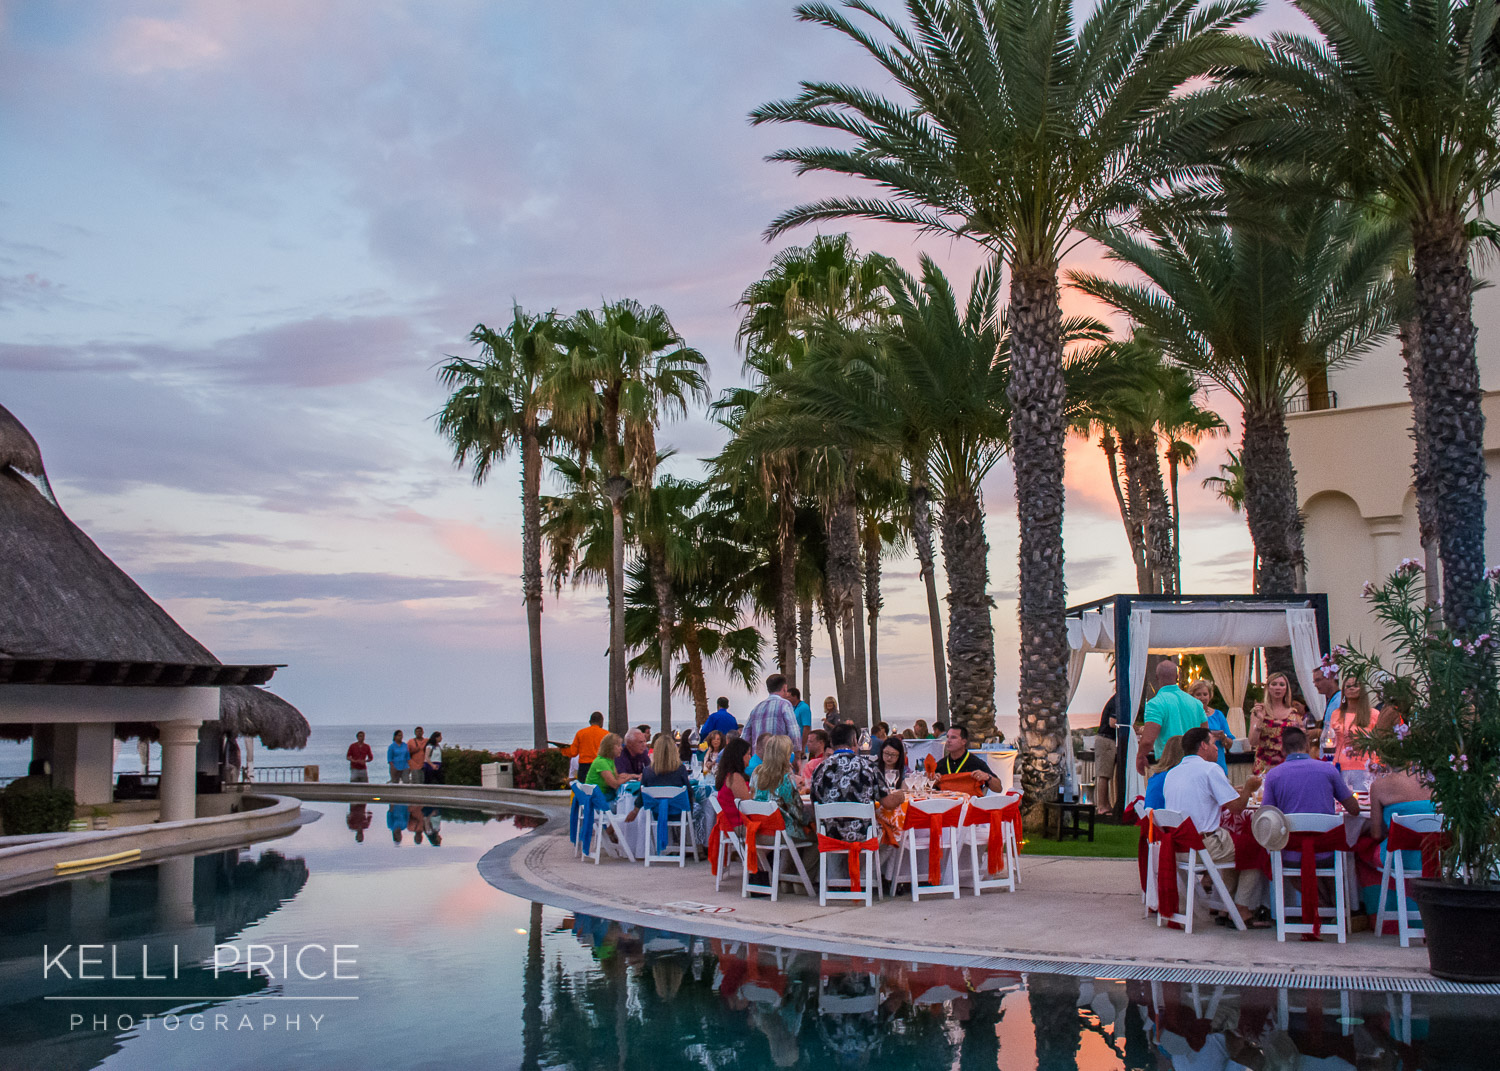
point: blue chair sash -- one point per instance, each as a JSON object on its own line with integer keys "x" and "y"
{"x": 587, "y": 800}
{"x": 666, "y": 808}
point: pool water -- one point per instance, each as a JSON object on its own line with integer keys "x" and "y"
{"x": 377, "y": 945}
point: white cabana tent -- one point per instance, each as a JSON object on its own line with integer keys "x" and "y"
{"x": 1224, "y": 629}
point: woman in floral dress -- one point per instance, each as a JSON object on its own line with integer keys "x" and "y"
{"x": 1269, "y": 719}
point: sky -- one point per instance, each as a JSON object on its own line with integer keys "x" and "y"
{"x": 236, "y": 239}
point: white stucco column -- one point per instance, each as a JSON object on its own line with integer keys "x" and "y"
{"x": 83, "y": 760}
{"x": 174, "y": 892}
{"x": 1385, "y": 539}
{"x": 179, "y": 769}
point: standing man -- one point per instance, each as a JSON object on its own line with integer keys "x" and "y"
{"x": 720, "y": 721}
{"x": 585, "y": 745}
{"x": 774, "y": 715}
{"x": 417, "y": 757}
{"x": 1326, "y": 684}
{"x": 801, "y": 710}
{"x": 1170, "y": 712}
{"x": 1105, "y": 756}
{"x": 399, "y": 759}
{"x": 359, "y": 756}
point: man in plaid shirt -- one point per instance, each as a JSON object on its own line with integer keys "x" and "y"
{"x": 774, "y": 715}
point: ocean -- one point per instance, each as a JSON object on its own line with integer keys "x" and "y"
{"x": 325, "y": 747}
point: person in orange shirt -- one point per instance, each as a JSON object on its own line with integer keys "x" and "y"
{"x": 586, "y": 744}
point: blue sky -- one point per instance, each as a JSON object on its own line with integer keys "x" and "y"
{"x": 236, "y": 238}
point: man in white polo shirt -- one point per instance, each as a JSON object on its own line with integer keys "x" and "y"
{"x": 1197, "y": 789}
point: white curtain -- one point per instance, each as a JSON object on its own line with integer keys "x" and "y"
{"x": 1302, "y": 626}
{"x": 1076, "y": 655}
{"x": 1140, "y": 650}
{"x": 1231, "y": 675}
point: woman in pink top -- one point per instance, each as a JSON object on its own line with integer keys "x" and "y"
{"x": 1351, "y": 721}
{"x": 730, "y": 782}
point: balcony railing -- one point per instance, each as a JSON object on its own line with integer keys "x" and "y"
{"x": 1317, "y": 402}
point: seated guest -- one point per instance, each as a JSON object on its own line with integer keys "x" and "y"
{"x": 907, "y": 734}
{"x": 1156, "y": 785}
{"x": 773, "y": 781}
{"x": 1394, "y": 793}
{"x": 712, "y": 747}
{"x": 685, "y": 746}
{"x": 1302, "y": 784}
{"x": 846, "y": 776}
{"x": 920, "y": 730}
{"x": 817, "y": 751}
{"x": 730, "y": 782}
{"x": 666, "y": 769}
{"x": 760, "y": 741}
{"x": 878, "y": 735}
{"x": 602, "y": 770}
{"x": 634, "y": 755}
{"x": 958, "y": 759}
{"x": 939, "y": 730}
{"x": 1198, "y": 789}
{"x": 892, "y": 759}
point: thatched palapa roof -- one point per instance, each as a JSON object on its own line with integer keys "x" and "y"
{"x": 70, "y": 615}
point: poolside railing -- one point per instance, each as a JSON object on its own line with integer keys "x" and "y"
{"x": 263, "y": 775}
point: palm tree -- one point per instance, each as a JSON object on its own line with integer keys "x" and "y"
{"x": 1400, "y": 103}
{"x": 1257, "y": 305}
{"x": 665, "y": 528}
{"x": 1019, "y": 130}
{"x": 626, "y": 369}
{"x": 499, "y": 402}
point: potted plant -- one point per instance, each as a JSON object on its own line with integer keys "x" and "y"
{"x": 1449, "y": 684}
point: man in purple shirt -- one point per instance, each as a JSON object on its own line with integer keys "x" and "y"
{"x": 774, "y": 715}
{"x": 1303, "y": 784}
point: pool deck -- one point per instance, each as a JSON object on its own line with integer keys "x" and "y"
{"x": 1072, "y": 916}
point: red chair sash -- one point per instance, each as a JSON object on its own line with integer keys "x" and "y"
{"x": 960, "y": 782}
{"x": 772, "y": 823}
{"x": 1143, "y": 844}
{"x": 1171, "y": 840}
{"x": 722, "y": 826}
{"x": 854, "y": 848}
{"x": 1309, "y": 844}
{"x": 934, "y": 822}
{"x": 996, "y": 820}
{"x": 1431, "y": 845}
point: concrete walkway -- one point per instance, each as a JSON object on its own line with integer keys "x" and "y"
{"x": 1079, "y": 916}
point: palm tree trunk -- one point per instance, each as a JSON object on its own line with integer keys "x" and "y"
{"x": 1176, "y": 525}
{"x": 861, "y": 658}
{"x": 531, "y": 994}
{"x": 531, "y": 577}
{"x": 786, "y": 592}
{"x": 805, "y": 636}
{"x": 696, "y": 681}
{"x": 1454, "y": 424}
{"x": 971, "y": 635}
{"x": 921, "y": 526}
{"x": 665, "y": 622}
{"x": 831, "y": 620}
{"x": 619, "y": 716}
{"x": 1133, "y": 534}
{"x": 1148, "y": 505}
{"x": 1271, "y": 511}
{"x": 1038, "y": 430}
{"x": 1410, "y": 332}
{"x": 872, "y": 610}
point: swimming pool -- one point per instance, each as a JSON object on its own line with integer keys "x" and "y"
{"x": 369, "y": 953}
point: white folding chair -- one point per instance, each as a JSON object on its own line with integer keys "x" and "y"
{"x": 781, "y": 844}
{"x": 917, "y": 843}
{"x": 605, "y": 818}
{"x": 730, "y": 843}
{"x": 834, "y": 888}
{"x": 1197, "y": 862}
{"x": 680, "y": 838}
{"x": 1394, "y": 871}
{"x": 975, "y": 833}
{"x": 1310, "y": 823}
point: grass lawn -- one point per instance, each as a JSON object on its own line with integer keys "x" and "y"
{"x": 1110, "y": 842}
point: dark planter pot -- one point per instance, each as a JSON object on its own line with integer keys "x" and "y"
{"x": 1463, "y": 929}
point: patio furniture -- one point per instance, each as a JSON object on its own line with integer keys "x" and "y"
{"x": 1310, "y": 836}
{"x": 931, "y": 827}
{"x": 723, "y": 839}
{"x": 1075, "y": 813}
{"x": 863, "y": 880}
{"x": 764, "y": 817}
{"x": 1174, "y": 834}
{"x": 989, "y": 828}
{"x": 1408, "y": 832}
{"x": 671, "y": 811}
{"x": 591, "y": 819}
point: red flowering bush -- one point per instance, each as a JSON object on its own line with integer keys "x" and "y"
{"x": 545, "y": 769}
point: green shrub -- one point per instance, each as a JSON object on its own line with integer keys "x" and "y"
{"x": 31, "y": 805}
{"x": 461, "y": 765}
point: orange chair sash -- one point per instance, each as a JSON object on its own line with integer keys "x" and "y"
{"x": 755, "y": 824}
{"x": 934, "y": 822}
{"x": 960, "y": 782}
{"x": 996, "y": 820}
{"x": 854, "y": 848}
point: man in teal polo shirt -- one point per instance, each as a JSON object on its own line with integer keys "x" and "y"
{"x": 1170, "y": 712}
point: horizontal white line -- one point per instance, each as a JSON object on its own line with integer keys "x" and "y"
{"x": 247, "y": 996}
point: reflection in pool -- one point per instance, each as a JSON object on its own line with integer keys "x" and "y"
{"x": 452, "y": 973}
